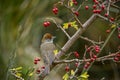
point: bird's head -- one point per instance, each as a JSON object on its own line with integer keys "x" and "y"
{"x": 48, "y": 37}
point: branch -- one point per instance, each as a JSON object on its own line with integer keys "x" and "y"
{"x": 72, "y": 40}
{"x": 103, "y": 58}
{"x": 106, "y": 41}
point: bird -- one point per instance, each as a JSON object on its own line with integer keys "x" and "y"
{"x": 47, "y": 52}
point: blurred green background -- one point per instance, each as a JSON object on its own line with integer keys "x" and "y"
{"x": 21, "y": 29}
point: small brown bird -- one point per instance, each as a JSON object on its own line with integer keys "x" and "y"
{"x": 46, "y": 48}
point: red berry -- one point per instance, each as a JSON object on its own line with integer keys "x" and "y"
{"x": 94, "y": 6}
{"x": 118, "y": 35}
{"x": 35, "y": 62}
{"x": 37, "y": 71}
{"x": 103, "y": 7}
{"x": 94, "y": 56}
{"x": 119, "y": 28}
{"x": 67, "y": 68}
{"x": 112, "y": 19}
{"x": 76, "y": 54}
{"x": 76, "y": 13}
{"x": 88, "y": 49}
{"x": 94, "y": 11}
{"x": 97, "y": 49}
{"x": 108, "y": 31}
{"x": 55, "y": 10}
{"x": 76, "y": 3}
{"x": 96, "y": 2}
{"x": 46, "y": 24}
{"x": 118, "y": 55}
{"x": 86, "y": 66}
{"x": 86, "y": 7}
{"x": 98, "y": 11}
{"x": 106, "y": 15}
{"x": 43, "y": 67}
{"x": 76, "y": 64}
{"x": 37, "y": 59}
{"x": 88, "y": 63}
{"x": 92, "y": 59}
{"x": 74, "y": 0}
{"x": 116, "y": 58}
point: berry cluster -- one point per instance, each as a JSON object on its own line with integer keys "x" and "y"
{"x": 36, "y": 60}
{"x": 92, "y": 50}
{"x": 96, "y": 48}
{"x": 38, "y": 70}
{"x": 46, "y": 24}
{"x": 97, "y": 9}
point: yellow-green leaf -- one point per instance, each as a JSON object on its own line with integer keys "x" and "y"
{"x": 18, "y": 74}
{"x": 30, "y": 74}
{"x": 72, "y": 24}
{"x": 71, "y": 3}
{"x": 72, "y": 72}
{"x": 18, "y": 68}
{"x": 66, "y": 76}
{"x": 55, "y": 52}
{"x": 76, "y": 27}
{"x": 84, "y": 75}
{"x": 113, "y": 26}
{"x": 65, "y": 25}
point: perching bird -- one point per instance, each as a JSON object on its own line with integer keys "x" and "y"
{"x": 46, "y": 48}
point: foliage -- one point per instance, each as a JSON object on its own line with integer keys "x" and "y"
{"x": 21, "y": 29}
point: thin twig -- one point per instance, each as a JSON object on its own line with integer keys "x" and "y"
{"x": 103, "y": 58}
{"x": 91, "y": 41}
{"x": 106, "y": 41}
{"x": 59, "y": 26}
{"x": 108, "y": 7}
{"x": 75, "y": 17}
{"x": 14, "y": 73}
{"x": 76, "y": 70}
